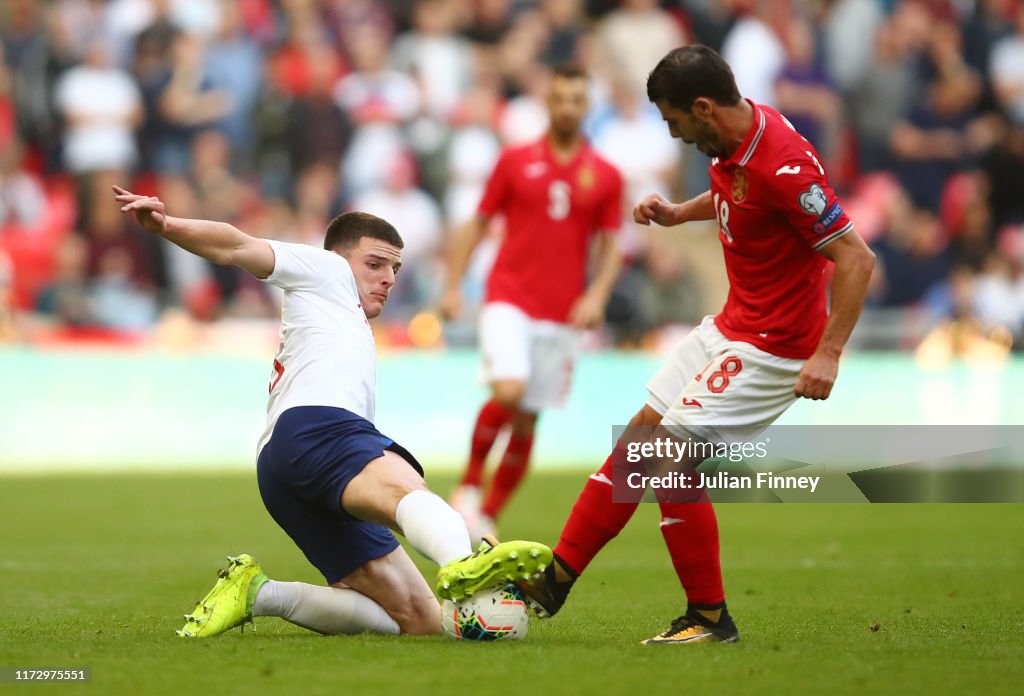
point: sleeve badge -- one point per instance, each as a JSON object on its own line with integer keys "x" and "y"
{"x": 813, "y": 201}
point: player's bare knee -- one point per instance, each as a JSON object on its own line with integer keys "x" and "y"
{"x": 415, "y": 616}
{"x": 393, "y": 494}
{"x": 641, "y": 426}
{"x": 374, "y": 494}
{"x": 423, "y": 618}
{"x": 648, "y": 416}
{"x": 508, "y": 392}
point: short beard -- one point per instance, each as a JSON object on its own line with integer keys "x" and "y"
{"x": 714, "y": 150}
{"x": 564, "y": 136}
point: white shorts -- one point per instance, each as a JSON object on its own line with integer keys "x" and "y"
{"x": 722, "y": 390}
{"x": 540, "y": 353}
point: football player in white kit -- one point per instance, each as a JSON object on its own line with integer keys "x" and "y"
{"x": 335, "y": 484}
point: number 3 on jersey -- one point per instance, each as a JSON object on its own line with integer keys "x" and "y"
{"x": 722, "y": 213}
{"x": 558, "y": 200}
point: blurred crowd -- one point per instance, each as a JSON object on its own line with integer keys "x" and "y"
{"x": 276, "y": 114}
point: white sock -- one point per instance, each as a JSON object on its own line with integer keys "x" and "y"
{"x": 433, "y": 527}
{"x": 327, "y": 610}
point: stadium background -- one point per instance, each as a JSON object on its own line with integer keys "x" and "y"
{"x": 120, "y": 354}
{"x": 276, "y": 115}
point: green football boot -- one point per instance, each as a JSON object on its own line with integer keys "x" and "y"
{"x": 490, "y": 567}
{"x": 229, "y": 603}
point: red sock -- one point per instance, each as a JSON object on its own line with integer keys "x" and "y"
{"x": 488, "y": 424}
{"x": 595, "y": 519}
{"x": 691, "y": 534}
{"x": 509, "y": 474}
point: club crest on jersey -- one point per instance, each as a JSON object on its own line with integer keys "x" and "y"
{"x": 586, "y": 177}
{"x": 740, "y": 185}
{"x": 813, "y": 201}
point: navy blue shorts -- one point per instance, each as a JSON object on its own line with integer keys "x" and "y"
{"x": 302, "y": 471}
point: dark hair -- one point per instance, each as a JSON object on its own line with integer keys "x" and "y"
{"x": 570, "y": 71}
{"x": 346, "y": 230}
{"x": 687, "y": 73}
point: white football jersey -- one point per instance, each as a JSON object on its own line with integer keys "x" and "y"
{"x": 326, "y": 356}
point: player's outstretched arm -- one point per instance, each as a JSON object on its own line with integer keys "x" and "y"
{"x": 655, "y": 208}
{"x": 463, "y": 244}
{"x": 218, "y": 242}
{"x": 854, "y": 262}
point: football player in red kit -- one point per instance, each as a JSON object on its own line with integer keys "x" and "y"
{"x": 780, "y": 226}
{"x": 559, "y": 200}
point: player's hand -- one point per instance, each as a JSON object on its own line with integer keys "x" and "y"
{"x": 655, "y": 208}
{"x": 451, "y": 304}
{"x": 588, "y": 311}
{"x": 148, "y": 210}
{"x": 817, "y": 377}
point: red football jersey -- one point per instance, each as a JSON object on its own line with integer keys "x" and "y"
{"x": 551, "y": 211}
{"x": 775, "y": 210}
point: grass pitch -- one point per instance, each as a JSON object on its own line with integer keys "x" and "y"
{"x": 97, "y": 571}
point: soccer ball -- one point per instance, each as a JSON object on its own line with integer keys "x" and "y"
{"x": 493, "y": 615}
